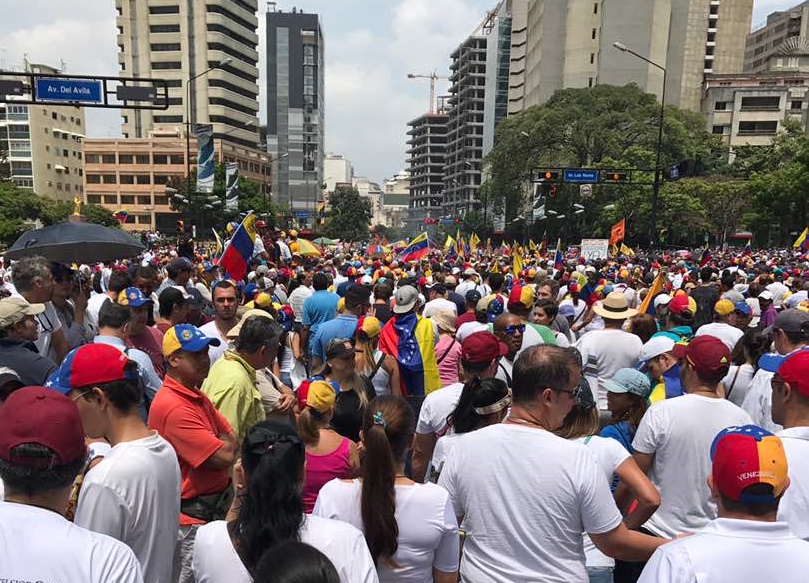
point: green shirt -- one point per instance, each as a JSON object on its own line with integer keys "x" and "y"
{"x": 231, "y": 387}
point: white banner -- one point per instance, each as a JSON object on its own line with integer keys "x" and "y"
{"x": 592, "y": 249}
{"x": 232, "y": 186}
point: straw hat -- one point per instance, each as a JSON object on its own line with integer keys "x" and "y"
{"x": 615, "y": 307}
{"x": 445, "y": 320}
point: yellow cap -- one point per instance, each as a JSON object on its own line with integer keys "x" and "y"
{"x": 321, "y": 396}
{"x": 234, "y": 332}
{"x": 724, "y": 307}
{"x": 370, "y": 326}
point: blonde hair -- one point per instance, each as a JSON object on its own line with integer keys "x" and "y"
{"x": 365, "y": 347}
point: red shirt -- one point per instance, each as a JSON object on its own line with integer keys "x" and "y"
{"x": 187, "y": 419}
{"x": 150, "y": 341}
{"x": 464, "y": 318}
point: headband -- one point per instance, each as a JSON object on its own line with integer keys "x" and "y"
{"x": 494, "y": 407}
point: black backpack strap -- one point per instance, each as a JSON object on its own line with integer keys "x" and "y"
{"x": 378, "y": 366}
{"x": 443, "y": 356}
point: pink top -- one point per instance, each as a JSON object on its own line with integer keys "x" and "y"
{"x": 448, "y": 365}
{"x": 323, "y": 468}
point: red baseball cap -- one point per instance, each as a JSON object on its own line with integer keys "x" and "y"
{"x": 39, "y": 415}
{"x": 680, "y": 303}
{"x": 745, "y": 456}
{"x": 707, "y": 354}
{"x": 795, "y": 370}
{"x": 482, "y": 347}
{"x": 89, "y": 365}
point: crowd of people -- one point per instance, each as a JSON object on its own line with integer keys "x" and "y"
{"x": 422, "y": 418}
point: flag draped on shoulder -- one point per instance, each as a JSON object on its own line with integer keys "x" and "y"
{"x": 410, "y": 339}
{"x": 240, "y": 250}
{"x": 416, "y": 249}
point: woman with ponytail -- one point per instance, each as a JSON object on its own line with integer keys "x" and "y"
{"x": 269, "y": 511}
{"x": 483, "y": 402}
{"x": 410, "y": 528}
{"x": 329, "y": 455}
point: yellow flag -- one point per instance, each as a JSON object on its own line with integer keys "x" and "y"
{"x": 473, "y": 242}
{"x": 801, "y": 240}
{"x": 657, "y": 287}
{"x": 627, "y": 250}
{"x": 516, "y": 266}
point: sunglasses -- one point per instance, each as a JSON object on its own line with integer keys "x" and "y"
{"x": 510, "y": 330}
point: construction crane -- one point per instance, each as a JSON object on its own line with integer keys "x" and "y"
{"x": 432, "y": 77}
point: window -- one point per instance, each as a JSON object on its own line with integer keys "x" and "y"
{"x": 159, "y": 47}
{"x": 308, "y": 55}
{"x": 168, "y": 119}
{"x": 142, "y": 179}
{"x": 65, "y": 153}
{"x": 93, "y": 179}
{"x": 21, "y": 168}
{"x": 718, "y": 130}
{"x": 177, "y": 159}
{"x": 91, "y": 158}
{"x": 589, "y": 81}
{"x": 127, "y": 179}
{"x": 53, "y": 115}
{"x": 763, "y": 103}
{"x": 592, "y": 58}
{"x": 144, "y": 219}
{"x": 108, "y": 158}
{"x": 58, "y": 186}
{"x": 164, "y": 28}
{"x": 595, "y": 33}
{"x": 166, "y": 65}
{"x": 161, "y": 200}
{"x": 94, "y": 199}
{"x": 108, "y": 179}
{"x": 161, "y": 179}
{"x": 761, "y": 128}
{"x": 595, "y": 8}
{"x": 796, "y": 104}
{"x": 142, "y": 159}
{"x": 145, "y": 200}
{"x": 125, "y": 158}
{"x": 127, "y": 199}
{"x": 164, "y": 9}
{"x": 110, "y": 199}
{"x": 161, "y": 159}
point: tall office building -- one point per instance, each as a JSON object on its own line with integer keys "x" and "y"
{"x": 43, "y": 143}
{"x": 498, "y": 67}
{"x": 295, "y": 107}
{"x": 427, "y": 154}
{"x": 786, "y": 27}
{"x": 570, "y": 45}
{"x": 462, "y": 169}
{"x": 180, "y": 40}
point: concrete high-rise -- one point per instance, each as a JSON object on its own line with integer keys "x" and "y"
{"x": 43, "y": 143}
{"x": 462, "y": 169}
{"x": 178, "y": 40}
{"x": 427, "y": 153}
{"x": 295, "y": 107}
{"x": 570, "y": 45}
{"x": 786, "y": 27}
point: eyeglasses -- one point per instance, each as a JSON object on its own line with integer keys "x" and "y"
{"x": 573, "y": 394}
{"x": 80, "y": 395}
{"x": 510, "y": 330}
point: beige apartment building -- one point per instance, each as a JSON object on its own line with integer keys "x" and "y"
{"x": 131, "y": 174}
{"x": 43, "y": 143}
{"x": 783, "y": 30}
{"x": 570, "y": 44}
{"x": 213, "y": 43}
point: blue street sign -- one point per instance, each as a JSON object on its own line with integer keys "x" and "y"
{"x": 68, "y": 90}
{"x": 581, "y": 176}
{"x": 301, "y": 214}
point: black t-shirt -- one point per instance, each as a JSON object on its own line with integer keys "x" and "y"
{"x": 706, "y": 297}
{"x": 383, "y": 312}
{"x": 348, "y": 413}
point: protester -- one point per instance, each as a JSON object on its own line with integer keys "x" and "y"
{"x": 482, "y": 402}
{"x": 380, "y": 368}
{"x": 299, "y": 295}
{"x": 662, "y": 367}
{"x": 790, "y": 409}
{"x": 746, "y": 543}
{"x": 70, "y": 301}
{"x": 357, "y": 302}
{"x": 679, "y": 321}
{"x": 753, "y": 345}
{"x": 568, "y": 497}
{"x": 133, "y": 494}
{"x": 18, "y": 333}
{"x": 173, "y": 308}
{"x": 231, "y": 384}
{"x": 329, "y": 455}
{"x": 143, "y": 337}
{"x": 410, "y": 528}
{"x": 269, "y": 511}
{"x": 724, "y": 325}
{"x": 42, "y": 451}
{"x": 294, "y": 562}
{"x": 178, "y": 274}
{"x": 480, "y": 354}
{"x": 9, "y": 382}
{"x": 509, "y": 329}
{"x": 768, "y": 311}
{"x": 205, "y": 443}
{"x": 318, "y": 308}
{"x": 545, "y": 312}
{"x": 225, "y": 300}
{"x": 119, "y": 281}
{"x": 627, "y": 392}
{"x": 383, "y": 291}
{"x": 437, "y": 300}
{"x": 705, "y": 295}
{"x": 472, "y": 298}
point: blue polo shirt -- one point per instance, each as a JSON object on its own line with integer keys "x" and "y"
{"x": 318, "y": 308}
{"x": 343, "y": 326}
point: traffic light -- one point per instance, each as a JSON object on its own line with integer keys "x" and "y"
{"x": 546, "y": 176}
{"x": 614, "y": 176}
{"x": 180, "y": 227}
{"x": 552, "y": 191}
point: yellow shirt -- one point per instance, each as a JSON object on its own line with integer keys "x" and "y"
{"x": 231, "y": 387}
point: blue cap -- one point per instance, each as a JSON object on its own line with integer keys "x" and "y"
{"x": 772, "y": 362}
{"x": 186, "y": 337}
{"x": 208, "y": 266}
{"x": 628, "y": 380}
{"x": 249, "y": 290}
{"x": 133, "y": 298}
{"x": 743, "y": 307}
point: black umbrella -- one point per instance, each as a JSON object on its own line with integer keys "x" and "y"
{"x": 76, "y": 242}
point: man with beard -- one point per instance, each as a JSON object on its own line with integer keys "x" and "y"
{"x": 225, "y": 303}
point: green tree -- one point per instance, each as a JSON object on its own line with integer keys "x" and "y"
{"x": 349, "y": 215}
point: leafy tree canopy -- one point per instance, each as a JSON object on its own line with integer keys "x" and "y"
{"x": 349, "y": 215}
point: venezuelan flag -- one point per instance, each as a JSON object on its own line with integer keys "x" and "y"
{"x": 416, "y": 249}
{"x": 748, "y": 249}
{"x": 705, "y": 258}
{"x": 558, "y": 258}
{"x": 240, "y": 251}
{"x": 410, "y": 339}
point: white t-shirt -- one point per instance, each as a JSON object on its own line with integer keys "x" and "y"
{"x": 741, "y": 551}
{"x": 758, "y": 401}
{"x": 729, "y": 335}
{"x": 91, "y": 313}
{"x": 794, "y": 507}
{"x": 468, "y": 328}
{"x": 216, "y": 561}
{"x": 436, "y": 407}
{"x": 41, "y": 545}
{"x": 605, "y": 352}
{"x": 439, "y": 305}
{"x": 679, "y": 432}
{"x": 428, "y": 529}
{"x": 296, "y": 299}
{"x": 211, "y": 331}
{"x": 443, "y": 449}
{"x": 738, "y": 383}
{"x": 526, "y": 496}
{"x": 133, "y": 495}
{"x": 609, "y": 454}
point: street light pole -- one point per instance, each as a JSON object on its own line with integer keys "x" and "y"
{"x": 658, "y": 171}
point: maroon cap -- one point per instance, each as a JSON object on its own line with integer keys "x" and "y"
{"x": 795, "y": 370}
{"x": 707, "y": 354}
{"x": 42, "y": 416}
{"x": 482, "y": 347}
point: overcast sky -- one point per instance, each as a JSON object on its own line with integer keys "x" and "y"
{"x": 371, "y": 45}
